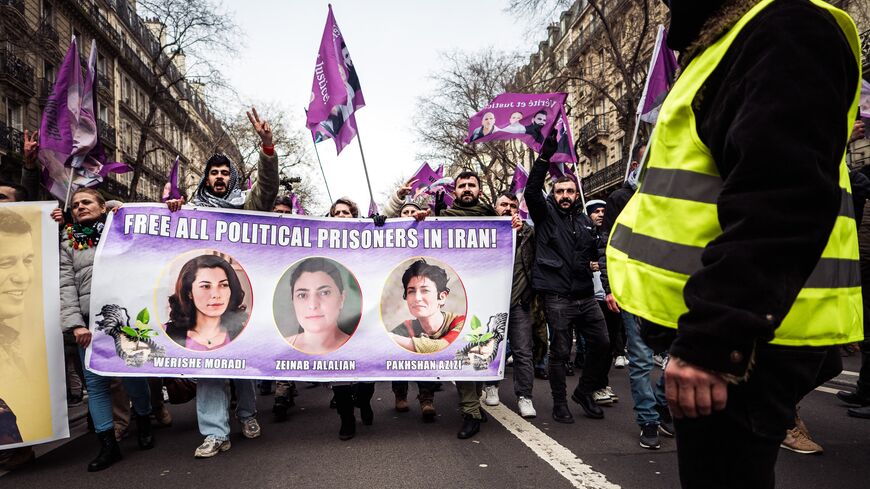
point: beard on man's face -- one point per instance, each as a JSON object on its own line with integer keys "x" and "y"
{"x": 566, "y": 202}
{"x": 468, "y": 198}
{"x": 218, "y": 188}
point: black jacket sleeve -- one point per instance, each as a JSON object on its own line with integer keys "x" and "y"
{"x": 774, "y": 115}
{"x": 534, "y": 195}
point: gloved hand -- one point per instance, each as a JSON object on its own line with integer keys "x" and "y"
{"x": 379, "y": 219}
{"x": 440, "y": 205}
{"x": 548, "y": 148}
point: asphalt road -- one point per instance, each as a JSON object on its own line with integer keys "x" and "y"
{"x": 400, "y": 451}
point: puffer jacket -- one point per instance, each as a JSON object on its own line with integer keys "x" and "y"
{"x": 75, "y": 285}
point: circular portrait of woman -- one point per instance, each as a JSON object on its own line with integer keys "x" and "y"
{"x": 317, "y": 305}
{"x": 209, "y": 302}
{"x": 423, "y": 305}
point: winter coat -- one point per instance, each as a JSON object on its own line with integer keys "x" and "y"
{"x": 75, "y": 285}
{"x": 565, "y": 243}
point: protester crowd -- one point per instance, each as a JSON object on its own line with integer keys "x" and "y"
{"x": 561, "y": 297}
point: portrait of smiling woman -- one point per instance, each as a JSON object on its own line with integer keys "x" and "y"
{"x": 325, "y": 305}
{"x": 207, "y": 310}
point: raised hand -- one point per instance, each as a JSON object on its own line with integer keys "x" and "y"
{"x": 264, "y": 130}
{"x": 174, "y": 205}
{"x": 31, "y": 148}
{"x": 405, "y": 189}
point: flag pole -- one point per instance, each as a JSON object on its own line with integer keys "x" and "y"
{"x": 642, "y": 101}
{"x": 328, "y": 193}
{"x": 68, "y": 189}
{"x": 365, "y": 168}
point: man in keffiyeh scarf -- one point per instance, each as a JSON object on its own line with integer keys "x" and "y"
{"x": 220, "y": 185}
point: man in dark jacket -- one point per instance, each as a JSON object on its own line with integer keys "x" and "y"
{"x": 563, "y": 275}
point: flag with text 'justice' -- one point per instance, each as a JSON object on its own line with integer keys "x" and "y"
{"x": 68, "y": 135}
{"x": 528, "y": 117}
{"x": 335, "y": 92}
{"x": 659, "y": 81}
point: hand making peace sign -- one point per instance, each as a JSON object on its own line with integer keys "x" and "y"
{"x": 264, "y": 130}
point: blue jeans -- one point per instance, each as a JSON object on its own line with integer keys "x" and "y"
{"x": 213, "y": 405}
{"x": 100, "y": 397}
{"x": 640, "y": 367}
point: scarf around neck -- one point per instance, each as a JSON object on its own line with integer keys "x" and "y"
{"x": 84, "y": 236}
{"x": 233, "y": 199}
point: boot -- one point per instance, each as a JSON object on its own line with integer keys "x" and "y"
{"x": 470, "y": 427}
{"x": 402, "y": 403}
{"x": 282, "y": 405}
{"x": 143, "y": 432}
{"x": 344, "y": 405}
{"x": 109, "y": 452}
{"x": 364, "y": 393}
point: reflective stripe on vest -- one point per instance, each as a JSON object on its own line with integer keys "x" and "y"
{"x": 652, "y": 254}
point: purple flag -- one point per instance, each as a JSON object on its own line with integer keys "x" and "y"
{"x": 663, "y": 70}
{"x": 296, "y": 207}
{"x": 171, "y": 192}
{"x": 373, "y": 208}
{"x": 564, "y": 141}
{"x": 68, "y": 138}
{"x": 518, "y": 188}
{"x": 864, "y": 101}
{"x": 429, "y": 182}
{"x": 335, "y": 93}
{"x": 528, "y": 117}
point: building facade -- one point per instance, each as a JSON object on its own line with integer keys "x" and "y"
{"x": 579, "y": 57}
{"x": 35, "y": 36}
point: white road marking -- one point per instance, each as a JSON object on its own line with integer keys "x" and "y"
{"x": 827, "y": 390}
{"x": 849, "y": 372}
{"x": 566, "y": 463}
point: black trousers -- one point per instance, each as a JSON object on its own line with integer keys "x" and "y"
{"x": 563, "y": 315}
{"x": 737, "y": 447}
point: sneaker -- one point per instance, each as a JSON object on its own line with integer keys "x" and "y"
{"x": 621, "y": 362}
{"x": 490, "y": 393}
{"x": 251, "y": 428}
{"x": 649, "y": 436}
{"x": 612, "y": 394}
{"x": 211, "y": 447}
{"x": 798, "y": 442}
{"x": 527, "y": 410}
{"x": 659, "y": 360}
{"x": 601, "y": 397}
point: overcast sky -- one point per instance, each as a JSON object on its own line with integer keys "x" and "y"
{"x": 395, "y": 46}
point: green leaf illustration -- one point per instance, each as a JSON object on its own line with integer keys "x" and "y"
{"x": 141, "y": 325}
{"x": 143, "y": 316}
{"x": 486, "y": 337}
{"x": 475, "y": 323}
{"x": 132, "y": 333}
{"x": 147, "y": 333}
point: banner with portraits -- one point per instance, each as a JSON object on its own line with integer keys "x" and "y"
{"x": 240, "y": 294}
{"x": 32, "y": 377}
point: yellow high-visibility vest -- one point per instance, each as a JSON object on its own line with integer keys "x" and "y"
{"x": 650, "y": 255}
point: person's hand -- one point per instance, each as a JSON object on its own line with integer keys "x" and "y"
{"x": 379, "y": 219}
{"x": 516, "y": 221}
{"x": 57, "y": 215}
{"x": 405, "y": 189}
{"x": 174, "y": 205}
{"x": 611, "y": 303}
{"x": 858, "y": 131}
{"x": 440, "y": 204}
{"x": 264, "y": 130}
{"x": 422, "y": 215}
{"x": 693, "y": 391}
{"x": 82, "y": 336}
{"x": 117, "y": 207}
{"x": 595, "y": 266}
{"x": 548, "y": 148}
{"x": 31, "y": 149}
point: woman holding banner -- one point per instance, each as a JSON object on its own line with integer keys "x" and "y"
{"x": 77, "y": 250}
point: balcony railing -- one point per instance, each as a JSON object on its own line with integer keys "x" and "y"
{"x": 11, "y": 139}
{"x": 107, "y": 133}
{"x": 45, "y": 88}
{"x": 865, "y": 47}
{"x": 16, "y": 70}
{"x": 608, "y": 176}
{"x": 14, "y": 4}
{"x": 592, "y": 129}
{"x": 47, "y": 33}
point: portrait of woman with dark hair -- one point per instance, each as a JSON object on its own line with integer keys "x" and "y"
{"x": 425, "y": 291}
{"x": 207, "y": 310}
{"x": 318, "y": 294}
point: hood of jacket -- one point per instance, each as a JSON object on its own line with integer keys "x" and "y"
{"x": 697, "y": 24}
